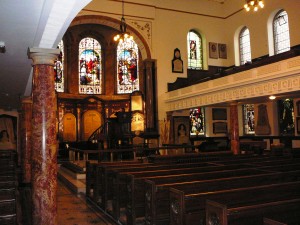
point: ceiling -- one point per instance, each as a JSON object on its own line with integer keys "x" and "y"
{"x": 24, "y": 24}
{"x": 31, "y": 23}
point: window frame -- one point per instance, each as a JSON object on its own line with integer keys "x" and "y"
{"x": 199, "y": 61}
{"x": 242, "y": 52}
{"x": 278, "y": 50}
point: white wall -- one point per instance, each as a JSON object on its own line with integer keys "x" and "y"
{"x": 170, "y": 21}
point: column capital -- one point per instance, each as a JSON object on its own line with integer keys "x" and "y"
{"x": 44, "y": 56}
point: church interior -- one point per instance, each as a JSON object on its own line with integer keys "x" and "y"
{"x": 148, "y": 112}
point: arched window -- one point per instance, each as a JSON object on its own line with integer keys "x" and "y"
{"x": 281, "y": 32}
{"x": 59, "y": 69}
{"x": 90, "y": 68}
{"x": 194, "y": 46}
{"x": 249, "y": 119}
{"x": 127, "y": 67}
{"x": 245, "y": 47}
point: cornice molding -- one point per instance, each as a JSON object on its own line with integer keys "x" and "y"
{"x": 272, "y": 79}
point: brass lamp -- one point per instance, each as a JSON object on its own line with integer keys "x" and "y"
{"x": 254, "y": 5}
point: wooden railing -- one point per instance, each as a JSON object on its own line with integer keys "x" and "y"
{"x": 138, "y": 151}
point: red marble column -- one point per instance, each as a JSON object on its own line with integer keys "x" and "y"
{"x": 44, "y": 149}
{"x": 234, "y": 129}
{"x": 26, "y": 139}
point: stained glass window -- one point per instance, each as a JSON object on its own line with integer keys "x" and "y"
{"x": 281, "y": 32}
{"x": 90, "y": 69}
{"x": 197, "y": 121}
{"x": 249, "y": 119}
{"x": 245, "y": 48}
{"x": 194, "y": 46}
{"x": 127, "y": 67}
{"x": 286, "y": 117}
{"x": 59, "y": 69}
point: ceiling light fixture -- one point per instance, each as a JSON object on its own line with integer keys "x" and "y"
{"x": 254, "y": 5}
{"x": 272, "y": 97}
{"x": 123, "y": 33}
{"x": 2, "y": 47}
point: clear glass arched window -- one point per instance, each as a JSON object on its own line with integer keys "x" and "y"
{"x": 281, "y": 32}
{"x": 89, "y": 65}
{"x": 127, "y": 67}
{"x": 194, "y": 47}
{"x": 245, "y": 47}
{"x": 59, "y": 69}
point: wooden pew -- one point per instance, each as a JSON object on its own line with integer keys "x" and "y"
{"x": 8, "y": 206}
{"x": 131, "y": 187}
{"x": 103, "y": 173}
{"x": 157, "y": 197}
{"x": 129, "y": 190}
{"x": 113, "y": 187}
{"x": 8, "y": 184}
{"x": 284, "y": 217}
{"x": 257, "y": 161}
{"x": 159, "y": 190}
{"x": 189, "y": 157}
{"x": 121, "y": 189}
{"x": 91, "y": 173}
{"x": 124, "y": 187}
{"x": 184, "y": 199}
{"x": 247, "y": 206}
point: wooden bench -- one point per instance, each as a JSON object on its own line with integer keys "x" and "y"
{"x": 101, "y": 168}
{"x": 254, "y": 146}
{"x": 247, "y": 206}
{"x": 103, "y": 173}
{"x": 121, "y": 189}
{"x": 189, "y": 157}
{"x": 127, "y": 185}
{"x": 8, "y": 185}
{"x": 111, "y": 179}
{"x": 158, "y": 190}
{"x": 130, "y": 187}
{"x": 284, "y": 217}
{"x": 124, "y": 190}
{"x": 91, "y": 173}
{"x": 7, "y": 205}
{"x": 157, "y": 198}
{"x": 184, "y": 209}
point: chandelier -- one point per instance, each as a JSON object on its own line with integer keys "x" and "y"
{"x": 123, "y": 35}
{"x": 254, "y": 5}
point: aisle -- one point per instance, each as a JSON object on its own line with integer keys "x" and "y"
{"x": 75, "y": 210}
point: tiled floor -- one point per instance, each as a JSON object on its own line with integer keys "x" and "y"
{"x": 75, "y": 210}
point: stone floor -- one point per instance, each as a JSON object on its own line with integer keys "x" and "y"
{"x": 76, "y": 210}
{"x": 73, "y": 209}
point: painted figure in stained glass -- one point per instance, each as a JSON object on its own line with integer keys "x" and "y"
{"x": 193, "y": 49}
{"x": 197, "y": 121}
{"x": 58, "y": 69}
{"x": 249, "y": 119}
{"x": 127, "y": 67}
{"x": 89, "y": 66}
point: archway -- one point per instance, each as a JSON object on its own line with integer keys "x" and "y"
{"x": 91, "y": 121}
